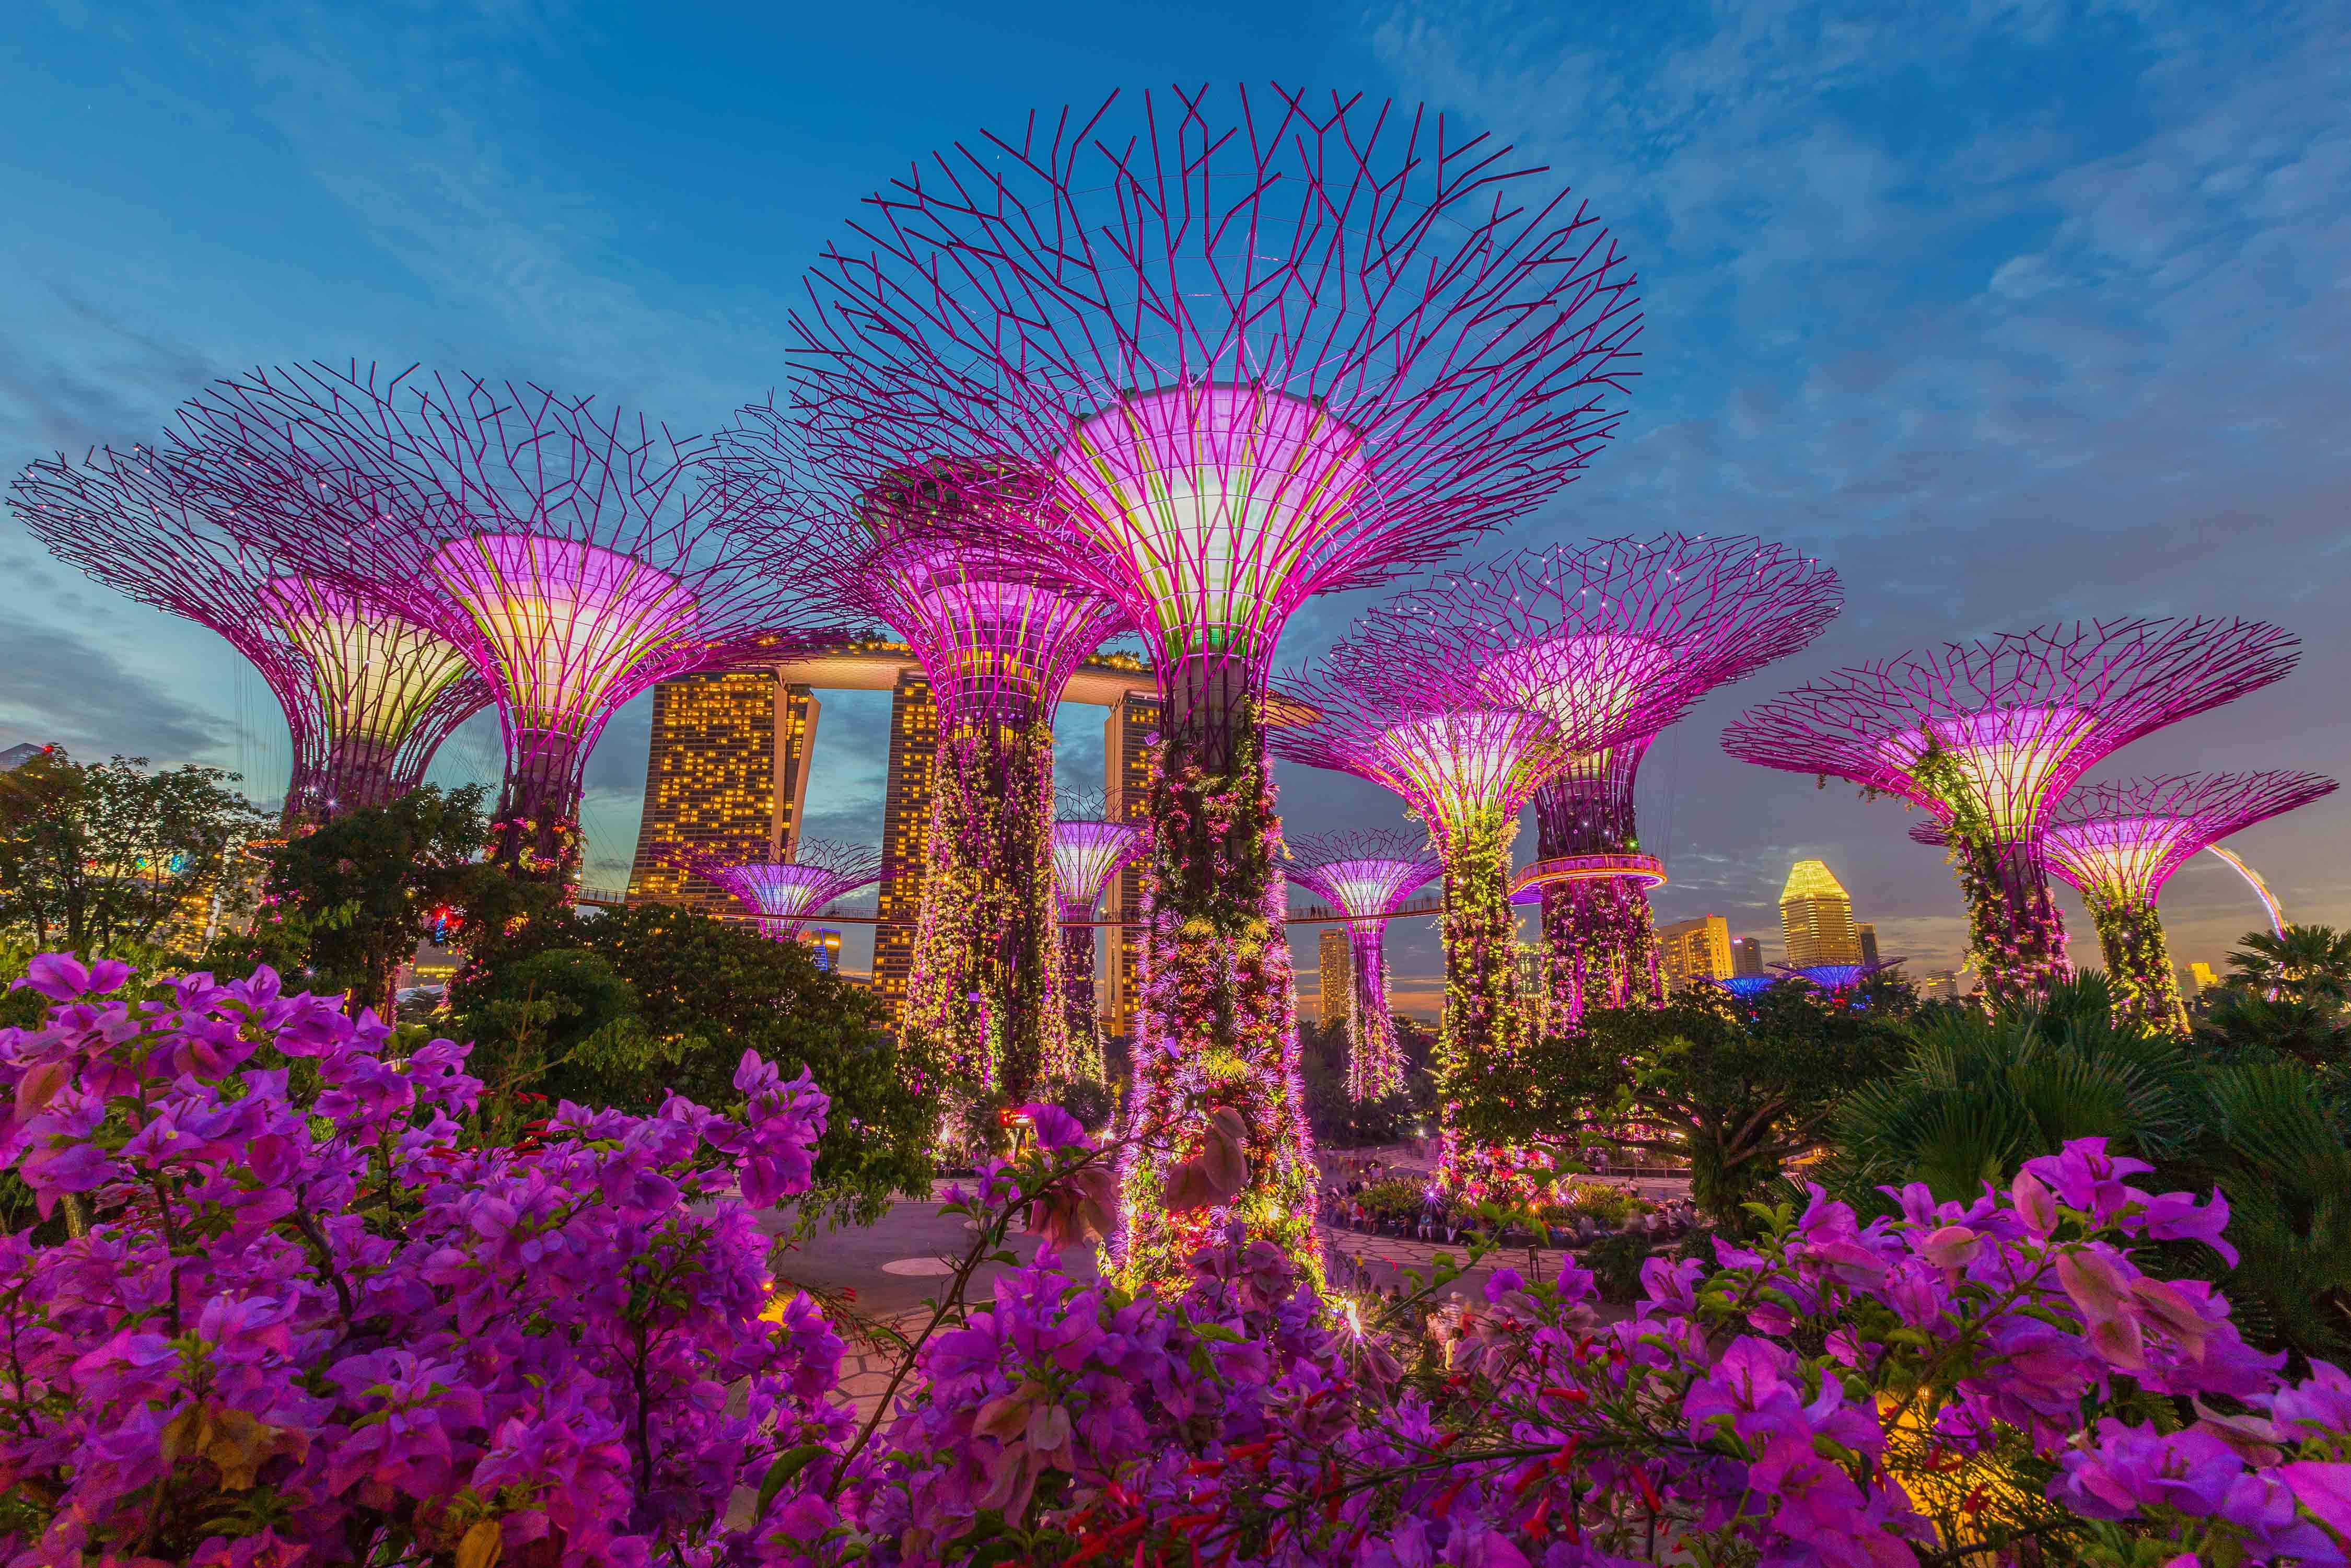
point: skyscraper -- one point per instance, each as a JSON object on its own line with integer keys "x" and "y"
{"x": 721, "y": 743}
{"x": 2201, "y": 977}
{"x": 1335, "y": 974}
{"x": 1133, "y": 718}
{"x": 1866, "y": 935}
{"x": 1816, "y": 918}
{"x": 1747, "y": 956}
{"x": 1694, "y": 950}
{"x": 824, "y": 946}
{"x": 905, "y": 831}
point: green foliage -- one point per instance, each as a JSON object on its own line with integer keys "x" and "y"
{"x": 1397, "y": 1197}
{"x": 95, "y": 856}
{"x": 617, "y": 1010}
{"x": 1736, "y": 1091}
{"x": 1341, "y": 1123}
{"x": 1616, "y": 1265}
{"x": 1982, "y": 1094}
{"x": 2306, "y": 963}
{"x": 347, "y": 901}
{"x": 1599, "y": 1202}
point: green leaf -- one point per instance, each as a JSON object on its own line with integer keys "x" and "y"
{"x": 780, "y": 1473}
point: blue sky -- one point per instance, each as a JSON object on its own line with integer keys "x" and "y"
{"x": 2012, "y": 312}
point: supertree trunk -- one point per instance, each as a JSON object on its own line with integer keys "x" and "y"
{"x": 1600, "y": 935}
{"x": 983, "y": 997}
{"x": 1374, "y": 1067}
{"x": 2016, "y": 938}
{"x": 537, "y": 833}
{"x": 1080, "y": 1022}
{"x": 2138, "y": 964}
{"x": 1481, "y": 1049}
{"x": 1218, "y": 1026}
{"x": 1603, "y": 944}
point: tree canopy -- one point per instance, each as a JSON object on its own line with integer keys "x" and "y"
{"x": 94, "y": 855}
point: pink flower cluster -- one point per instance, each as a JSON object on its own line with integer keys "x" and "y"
{"x": 307, "y": 1320}
{"x": 307, "y": 1323}
{"x": 1998, "y": 1376}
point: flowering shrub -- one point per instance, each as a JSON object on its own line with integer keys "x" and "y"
{"x": 310, "y": 1324}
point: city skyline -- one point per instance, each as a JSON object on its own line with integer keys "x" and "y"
{"x": 2038, "y": 279}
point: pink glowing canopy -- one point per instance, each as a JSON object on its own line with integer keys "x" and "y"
{"x": 1994, "y": 733}
{"x": 1086, "y": 856}
{"x": 2010, "y": 762}
{"x": 1258, "y": 347}
{"x": 1591, "y": 685}
{"x": 567, "y": 624}
{"x": 997, "y": 645}
{"x": 2120, "y": 842}
{"x": 1364, "y": 875}
{"x": 377, "y": 673}
{"x": 1219, "y": 503}
{"x": 787, "y": 893}
{"x": 1459, "y": 766}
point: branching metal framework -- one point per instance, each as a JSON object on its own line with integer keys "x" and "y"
{"x": 1395, "y": 707}
{"x": 1087, "y": 852}
{"x": 786, "y": 894}
{"x": 1366, "y": 876}
{"x": 1614, "y": 636}
{"x": 2118, "y": 842}
{"x": 1259, "y": 351}
{"x": 571, "y": 553}
{"x": 369, "y": 695}
{"x": 985, "y": 996}
{"x": 1989, "y": 735}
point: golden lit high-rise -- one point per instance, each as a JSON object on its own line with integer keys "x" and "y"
{"x": 1816, "y": 918}
{"x": 721, "y": 744}
{"x": 1693, "y": 950}
{"x": 906, "y": 835}
{"x": 1336, "y": 974}
{"x": 1126, "y": 779}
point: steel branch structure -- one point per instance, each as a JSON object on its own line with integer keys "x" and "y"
{"x": 369, "y": 695}
{"x": 786, "y": 894}
{"x": 998, "y": 644}
{"x": 1366, "y": 876}
{"x": 2118, "y": 843}
{"x": 1614, "y": 636}
{"x": 1989, "y": 735}
{"x": 1087, "y": 853}
{"x": 571, "y": 553}
{"x": 1397, "y": 709}
{"x": 1260, "y": 350}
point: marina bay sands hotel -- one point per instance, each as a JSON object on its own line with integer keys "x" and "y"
{"x": 729, "y": 768}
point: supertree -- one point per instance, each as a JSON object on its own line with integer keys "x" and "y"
{"x": 1591, "y": 635}
{"x": 999, "y": 644}
{"x": 1988, "y": 736}
{"x": 568, "y": 552}
{"x": 1366, "y": 876}
{"x": 2116, "y": 843}
{"x": 1087, "y": 852}
{"x": 367, "y": 694}
{"x": 1834, "y": 978}
{"x": 785, "y": 894}
{"x": 1260, "y": 351}
{"x": 1394, "y": 710}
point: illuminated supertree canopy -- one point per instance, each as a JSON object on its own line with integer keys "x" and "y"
{"x": 1614, "y": 636}
{"x": 367, "y": 694}
{"x": 785, "y": 894}
{"x": 570, "y": 553}
{"x": 2118, "y": 843}
{"x": 1261, "y": 348}
{"x": 1988, "y": 736}
{"x": 1395, "y": 709}
{"x": 999, "y": 644}
{"x": 1087, "y": 852}
{"x": 1366, "y": 876}
{"x": 1834, "y": 978}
